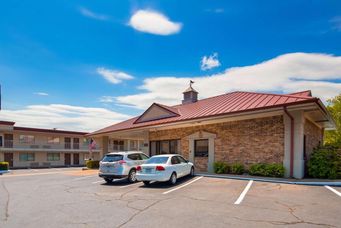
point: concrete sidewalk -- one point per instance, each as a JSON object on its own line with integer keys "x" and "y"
{"x": 308, "y": 181}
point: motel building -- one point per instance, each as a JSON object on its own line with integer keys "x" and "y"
{"x": 24, "y": 147}
{"x": 243, "y": 127}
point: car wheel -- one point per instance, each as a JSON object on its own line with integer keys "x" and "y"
{"x": 132, "y": 176}
{"x": 172, "y": 179}
{"x": 146, "y": 183}
{"x": 192, "y": 172}
{"x": 108, "y": 180}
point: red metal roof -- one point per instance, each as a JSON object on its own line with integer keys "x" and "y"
{"x": 228, "y": 103}
{"x": 10, "y": 123}
{"x": 306, "y": 93}
{"x": 49, "y": 130}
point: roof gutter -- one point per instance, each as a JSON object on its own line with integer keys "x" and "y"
{"x": 292, "y": 138}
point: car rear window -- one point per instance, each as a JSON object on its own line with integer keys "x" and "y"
{"x": 157, "y": 160}
{"x": 112, "y": 158}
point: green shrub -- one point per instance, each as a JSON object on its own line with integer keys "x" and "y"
{"x": 257, "y": 169}
{"x": 325, "y": 162}
{"x": 267, "y": 170}
{"x": 4, "y": 166}
{"x": 90, "y": 164}
{"x": 237, "y": 168}
{"x": 274, "y": 170}
{"x": 221, "y": 167}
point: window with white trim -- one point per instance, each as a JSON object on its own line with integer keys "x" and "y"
{"x": 26, "y": 139}
{"x": 26, "y": 156}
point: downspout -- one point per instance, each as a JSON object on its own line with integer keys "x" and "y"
{"x": 292, "y": 138}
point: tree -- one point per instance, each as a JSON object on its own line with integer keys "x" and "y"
{"x": 333, "y": 137}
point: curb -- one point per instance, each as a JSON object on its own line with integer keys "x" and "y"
{"x": 309, "y": 183}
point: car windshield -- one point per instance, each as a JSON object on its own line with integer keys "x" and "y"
{"x": 157, "y": 160}
{"x": 112, "y": 158}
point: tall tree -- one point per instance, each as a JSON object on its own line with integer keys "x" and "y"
{"x": 333, "y": 137}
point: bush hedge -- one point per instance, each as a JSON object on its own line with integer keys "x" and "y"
{"x": 90, "y": 164}
{"x": 4, "y": 166}
{"x": 267, "y": 170}
{"x": 262, "y": 169}
{"x": 237, "y": 168}
{"x": 325, "y": 162}
{"x": 221, "y": 167}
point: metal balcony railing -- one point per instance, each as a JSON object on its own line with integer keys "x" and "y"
{"x": 45, "y": 146}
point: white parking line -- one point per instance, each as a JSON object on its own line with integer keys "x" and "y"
{"x": 333, "y": 190}
{"x": 242, "y": 195}
{"x": 101, "y": 181}
{"x": 184, "y": 185}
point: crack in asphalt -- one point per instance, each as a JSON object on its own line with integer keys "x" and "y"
{"x": 291, "y": 210}
{"x": 7, "y": 201}
{"x": 139, "y": 211}
{"x": 274, "y": 222}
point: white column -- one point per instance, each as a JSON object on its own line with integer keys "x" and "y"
{"x": 128, "y": 144}
{"x": 298, "y": 144}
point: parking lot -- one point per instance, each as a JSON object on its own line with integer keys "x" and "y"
{"x": 70, "y": 197}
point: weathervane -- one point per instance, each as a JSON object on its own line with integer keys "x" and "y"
{"x": 190, "y": 83}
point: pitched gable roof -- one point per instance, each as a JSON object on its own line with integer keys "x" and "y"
{"x": 228, "y": 103}
{"x": 156, "y": 112}
{"x": 306, "y": 93}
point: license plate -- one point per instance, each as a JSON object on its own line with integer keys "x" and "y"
{"x": 148, "y": 170}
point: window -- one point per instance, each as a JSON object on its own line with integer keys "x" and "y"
{"x": 26, "y": 139}
{"x": 75, "y": 143}
{"x": 201, "y": 148}
{"x": 53, "y": 140}
{"x": 181, "y": 159}
{"x": 86, "y": 141}
{"x": 133, "y": 144}
{"x": 53, "y": 156}
{"x": 118, "y": 145}
{"x": 67, "y": 143}
{"x": 134, "y": 157}
{"x": 175, "y": 160}
{"x": 165, "y": 147}
{"x": 1, "y": 141}
{"x": 157, "y": 160}
{"x": 112, "y": 158}
{"x": 144, "y": 157}
{"x": 26, "y": 157}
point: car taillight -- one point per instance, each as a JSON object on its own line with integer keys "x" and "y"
{"x": 138, "y": 168}
{"x": 159, "y": 168}
{"x": 122, "y": 162}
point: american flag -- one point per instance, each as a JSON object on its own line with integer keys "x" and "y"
{"x": 92, "y": 144}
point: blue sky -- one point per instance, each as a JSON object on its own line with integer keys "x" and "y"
{"x": 67, "y": 63}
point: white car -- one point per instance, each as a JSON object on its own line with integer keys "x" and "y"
{"x": 166, "y": 167}
{"x": 121, "y": 165}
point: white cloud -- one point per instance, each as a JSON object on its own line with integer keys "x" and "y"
{"x": 107, "y": 99}
{"x": 153, "y": 22}
{"x": 41, "y": 94}
{"x": 209, "y": 62}
{"x": 88, "y": 13}
{"x": 216, "y": 10}
{"x": 113, "y": 76}
{"x": 286, "y": 73}
{"x": 336, "y": 23}
{"x": 60, "y": 116}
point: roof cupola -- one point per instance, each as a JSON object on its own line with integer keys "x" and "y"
{"x": 190, "y": 94}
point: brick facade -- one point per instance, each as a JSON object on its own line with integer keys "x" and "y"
{"x": 313, "y": 137}
{"x": 246, "y": 141}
